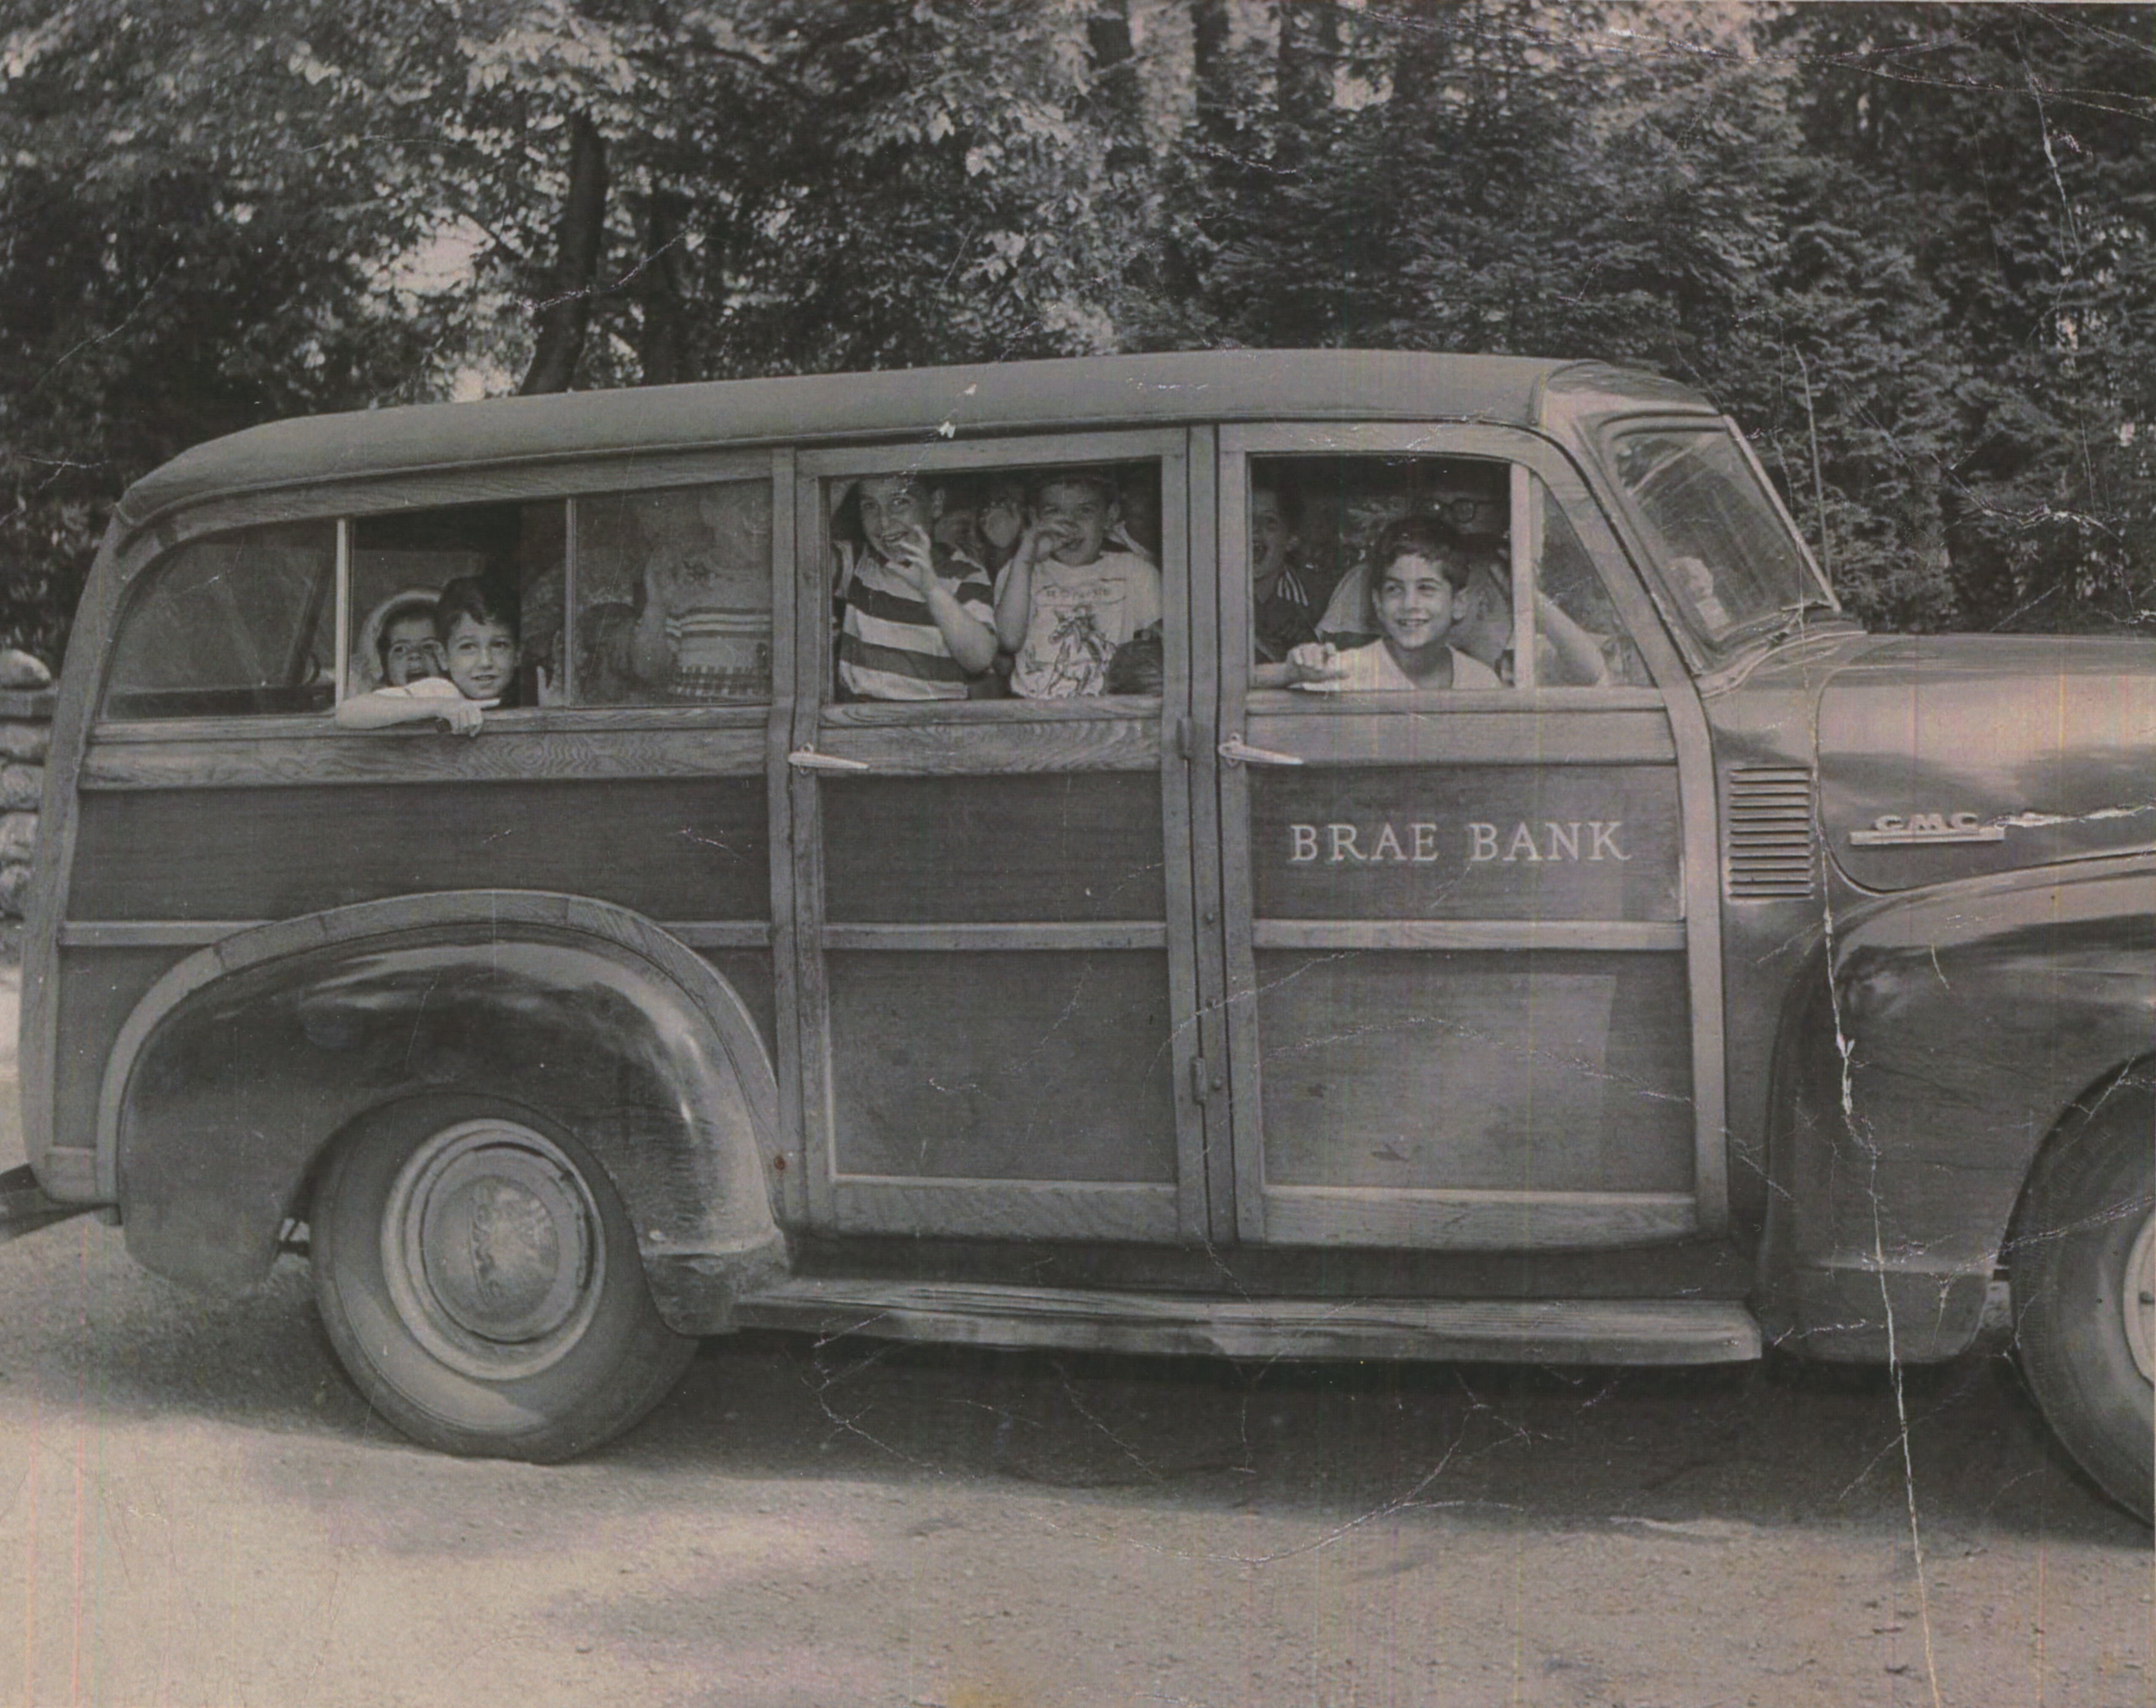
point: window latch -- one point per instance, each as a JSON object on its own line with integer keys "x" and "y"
{"x": 1238, "y": 752}
{"x": 809, "y": 759}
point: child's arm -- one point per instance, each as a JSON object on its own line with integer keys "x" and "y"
{"x": 971, "y": 642}
{"x": 386, "y": 706}
{"x": 1313, "y": 661}
{"x": 1579, "y": 651}
{"x": 1014, "y": 598}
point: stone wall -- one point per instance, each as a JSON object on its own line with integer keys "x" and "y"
{"x": 26, "y": 727}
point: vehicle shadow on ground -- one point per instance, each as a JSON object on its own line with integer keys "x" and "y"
{"x": 1745, "y": 1445}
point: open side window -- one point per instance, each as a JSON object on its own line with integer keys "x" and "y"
{"x": 1527, "y": 607}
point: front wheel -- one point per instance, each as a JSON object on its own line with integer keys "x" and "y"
{"x": 479, "y": 1280}
{"x": 2084, "y": 1278}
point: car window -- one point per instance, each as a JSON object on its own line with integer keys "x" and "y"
{"x": 1726, "y": 556}
{"x": 403, "y": 566}
{"x": 1046, "y": 583}
{"x": 1326, "y": 533}
{"x": 673, "y": 596}
{"x": 237, "y": 624}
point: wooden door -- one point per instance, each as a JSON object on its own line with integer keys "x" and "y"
{"x": 995, "y": 949}
{"x": 1468, "y": 933}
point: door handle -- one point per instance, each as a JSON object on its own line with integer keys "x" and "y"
{"x": 809, "y": 759}
{"x": 1238, "y": 752}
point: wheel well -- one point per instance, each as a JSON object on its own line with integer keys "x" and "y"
{"x": 251, "y": 1061}
{"x": 2137, "y": 1076}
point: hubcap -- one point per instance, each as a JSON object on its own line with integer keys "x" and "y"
{"x": 491, "y": 1245}
{"x": 2138, "y": 1300}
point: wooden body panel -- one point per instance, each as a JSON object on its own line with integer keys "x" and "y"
{"x": 1458, "y": 939}
{"x": 996, "y": 956}
{"x": 1043, "y": 846}
{"x": 669, "y": 849}
{"x": 1018, "y": 1065}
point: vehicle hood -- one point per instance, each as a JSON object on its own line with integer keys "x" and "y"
{"x": 1952, "y": 756}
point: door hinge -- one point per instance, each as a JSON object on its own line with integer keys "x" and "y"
{"x": 1201, "y": 1080}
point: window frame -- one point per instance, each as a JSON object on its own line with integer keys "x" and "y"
{"x": 141, "y": 582}
{"x": 1528, "y": 457}
{"x": 568, "y": 480}
{"x": 1167, "y": 447}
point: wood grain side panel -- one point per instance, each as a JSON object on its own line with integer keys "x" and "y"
{"x": 1465, "y": 1222}
{"x": 666, "y": 849}
{"x": 1039, "y": 1066}
{"x": 998, "y": 1209}
{"x": 1556, "y": 842}
{"x": 1033, "y": 848}
{"x": 1378, "y": 728}
{"x": 410, "y": 754}
{"x": 1515, "y": 1072}
{"x": 963, "y": 748}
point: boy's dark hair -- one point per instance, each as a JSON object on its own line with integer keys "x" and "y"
{"x": 1421, "y": 536}
{"x": 1100, "y": 480}
{"x": 1285, "y": 494}
{"x": 482, "y": 599}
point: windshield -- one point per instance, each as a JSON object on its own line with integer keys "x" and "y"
{"x": 1725, "y": 556}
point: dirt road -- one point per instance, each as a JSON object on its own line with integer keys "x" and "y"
{"x": 199, "y": 1510}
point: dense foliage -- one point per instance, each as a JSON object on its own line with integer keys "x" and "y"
{"x": 1912, "y": 249}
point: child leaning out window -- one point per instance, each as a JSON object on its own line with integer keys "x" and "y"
{"x": 476, "y": 623}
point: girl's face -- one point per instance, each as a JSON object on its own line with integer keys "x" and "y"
{"x": 409, "y": 651}
{"x": 1415, "y": 603}
{"x": 482, "y": 657}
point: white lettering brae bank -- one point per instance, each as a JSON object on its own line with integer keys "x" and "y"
{"x": 1587, "y": 840}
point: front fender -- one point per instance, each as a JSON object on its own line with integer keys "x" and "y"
{"x": 248, "y": 1059}
{"x": 1914, "y": 1092}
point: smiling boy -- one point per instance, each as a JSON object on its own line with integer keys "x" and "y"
{"x": 475, "y": 624}
{"x": 1422, "y": 569}
{"x": 1064, "y": 603}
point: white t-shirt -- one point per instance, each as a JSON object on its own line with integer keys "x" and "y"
{"x": 1371, "y": 669}
{"x": 1079, "y": 614}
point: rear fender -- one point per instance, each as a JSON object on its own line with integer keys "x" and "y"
{"x": 247, "y": 1059}
{"x": 1963, "y": 1025}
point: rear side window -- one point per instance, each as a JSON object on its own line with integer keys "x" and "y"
{"x": 673, "y": 596}
{"x": 241, "y": 623}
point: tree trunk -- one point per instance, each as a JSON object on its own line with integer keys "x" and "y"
{"x": 662, "y": 342}
{"x": 1115, "y": 67}
{"x": 565, "y": 314}
{"x": 1308, "y": 49}
{"x": 1209, "y": 54}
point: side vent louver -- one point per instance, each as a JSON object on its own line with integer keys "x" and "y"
{"x": 1770, "y": 833}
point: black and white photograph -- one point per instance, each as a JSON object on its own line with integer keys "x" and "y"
{"x": 1051, "y": 854}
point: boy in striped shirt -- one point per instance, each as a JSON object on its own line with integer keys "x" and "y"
{"x": 919, "y": 617}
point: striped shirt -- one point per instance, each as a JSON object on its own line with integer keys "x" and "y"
{"x": 889, "y": 646}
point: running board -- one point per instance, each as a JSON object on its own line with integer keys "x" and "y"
{"x": 1504, "y": 1331}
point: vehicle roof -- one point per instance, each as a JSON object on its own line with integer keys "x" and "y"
{"x": 932, "y": 403}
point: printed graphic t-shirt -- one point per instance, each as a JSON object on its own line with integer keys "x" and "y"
{"x": 1080, "y": 614}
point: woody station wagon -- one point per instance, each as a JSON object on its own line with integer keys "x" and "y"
{"x": 1713, "y": 975}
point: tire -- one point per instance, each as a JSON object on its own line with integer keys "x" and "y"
{"x": 479, "y": 1279}
{"x": 2085, "y": 1289}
